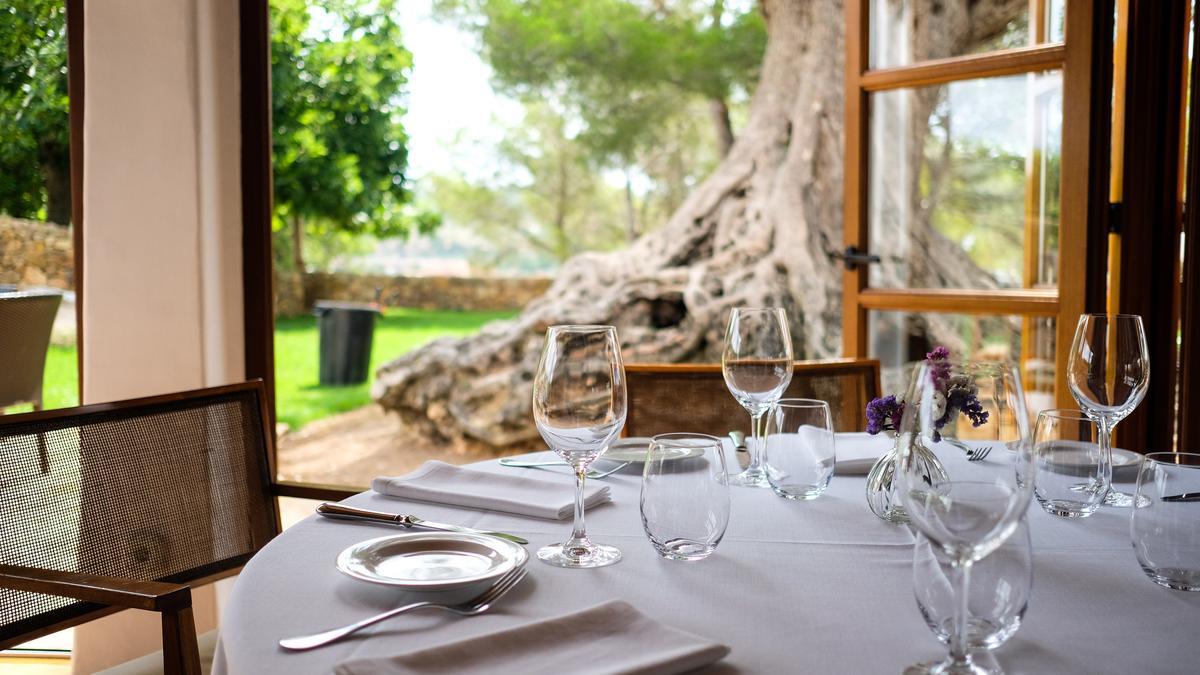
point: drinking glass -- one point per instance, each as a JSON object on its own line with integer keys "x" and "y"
{"x": 757, "y": 365}
{"x": 685, "y": 495}
{"x": 1073, "y": 473}
{"x": 965, "y": 508}
{"x": 1165, "y": 523}
{"x": 799, "y": 448}
{"x": 998, "y": 597}
{"x": 1108, "y": 374}
{"x": 579, "y": 407}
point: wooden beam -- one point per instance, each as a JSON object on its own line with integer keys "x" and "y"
{"x": 1028, "y": 302}
{"x": 75, "y": 97}
{"x": 854, "y": 184}
{"x": 969, "y": 67}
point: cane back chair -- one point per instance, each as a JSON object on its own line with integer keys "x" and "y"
{"x": 692, "y": 397}
{"x": 144, "y": 499}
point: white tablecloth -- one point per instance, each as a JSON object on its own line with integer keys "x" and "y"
{"x": 795, "y": 587}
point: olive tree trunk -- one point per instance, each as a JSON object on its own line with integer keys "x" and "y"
{"x": 759, "y": 231}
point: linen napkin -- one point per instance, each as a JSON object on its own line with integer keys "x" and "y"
{"x": 612, "y": 638}
{"x": 443, "y": 483}
{"x": 858, "y": 451}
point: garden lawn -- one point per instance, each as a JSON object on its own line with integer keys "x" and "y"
{"x": 298, "y": 398}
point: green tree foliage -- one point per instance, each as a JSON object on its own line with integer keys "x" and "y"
{"x": 621, "y": 66}
{"x": 338, "y": 75}
{"x": 34, "y": 121}
{"x": 544, "y": 203}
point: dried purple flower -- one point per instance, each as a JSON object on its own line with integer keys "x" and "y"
{"x": 959, "y": 391}
{"x": 883, "y": 414}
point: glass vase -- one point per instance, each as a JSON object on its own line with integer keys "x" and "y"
{"x": 881, "y": 495}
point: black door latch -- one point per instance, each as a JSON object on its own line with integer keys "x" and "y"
{"x": 852, "y": 258}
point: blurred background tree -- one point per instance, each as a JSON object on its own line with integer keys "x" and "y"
{"x": 35, "y": 163}
{"x": 338, "y": 73}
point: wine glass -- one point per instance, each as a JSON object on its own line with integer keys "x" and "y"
{"x": 579, "y": 407}
{"x": 966, "y": 508}
{"x": 1109, "y": 374}
{"x": 757, "y": 365}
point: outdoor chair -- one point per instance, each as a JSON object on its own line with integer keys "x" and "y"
{"x": 146, "y": 499}
{"x": 692, "y": 397}
{"x": 26, "y": 319}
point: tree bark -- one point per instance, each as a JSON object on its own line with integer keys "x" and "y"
{"x": 757, "y": 232}
{"x": 298, "y": 243}
{"x": 57, "y": 179}
{"x": 719, "y": 111}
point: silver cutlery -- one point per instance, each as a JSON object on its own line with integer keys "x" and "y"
{"x": 343, "y": 512}
{"x": 740, "y": 450}
{"x": 477, "y": 605}
{"x": 977, "y": 454}
{"x": 592, "y": 473}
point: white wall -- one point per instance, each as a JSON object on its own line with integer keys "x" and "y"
{"x": 162, "y": 226}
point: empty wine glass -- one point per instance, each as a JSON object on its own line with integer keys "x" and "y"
{"x": 1109, "y": 374}
{"x": 757, "y": 365}
{"x": 1165, "y": 524}
{"x": 1073, "y": 472}
{"x": 799, "y": 448}
{"x": 965, "y": 508}
{"x": 685, "y": 495}
{"x": 579, "y": 407}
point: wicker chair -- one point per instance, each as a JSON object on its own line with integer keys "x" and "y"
{"x": 146, "y": 498}
{"x": 26, "y": 319}
{"x": 693, "y": 397}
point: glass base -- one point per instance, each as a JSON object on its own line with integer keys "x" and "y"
{"x": 578, "y": 557}
{"x": 755, "y": 477}
{"x": 1123, "y": 500}
{"x": 683, "y": 549}
{"x": 1174, "y": 579}
{"x": 1068, "y": 509}
{"x": 979, "y": 663}
{"x": 798, "y": 493}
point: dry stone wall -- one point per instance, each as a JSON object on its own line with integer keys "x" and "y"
{"x": 295, "y": 294}
{"x": 35, "y": 254}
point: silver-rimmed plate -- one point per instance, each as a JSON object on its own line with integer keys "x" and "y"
{"x": 634, "y": 449}
{"x": 430, "y": 561}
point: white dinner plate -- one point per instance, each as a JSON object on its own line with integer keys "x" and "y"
{"x": 1122, "y": 460}
{"x": 634, "y": 449}
{"x": 431, "y": 561}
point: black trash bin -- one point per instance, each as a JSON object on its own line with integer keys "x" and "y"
{"x": 346, "y": 332}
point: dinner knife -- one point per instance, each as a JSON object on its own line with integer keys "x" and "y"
{"x": 343, "y": 512}
{"x": 1185, "y": 497}
{"x": 741, "y": 451}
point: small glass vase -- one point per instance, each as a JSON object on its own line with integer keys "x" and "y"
{"x": 881, "y": 496}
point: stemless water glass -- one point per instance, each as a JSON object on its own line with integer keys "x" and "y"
{"x": 579, "y": 407}
{"x": 1109, "y": 374}
{"x": 965, "y": 508}
{"x": 685, "y": 495}
{"x": 757, "y": 365}
{"x": 998, "y": 596}
{"x": 1165, "y": 524}
{"x": 799, "y": 448}
{"x": 1073, "y": 472}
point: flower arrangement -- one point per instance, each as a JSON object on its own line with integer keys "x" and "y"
{"x": 953, "y": 394}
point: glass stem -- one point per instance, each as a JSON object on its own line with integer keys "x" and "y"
{"x": 959, "y": 647}
{"x": 756, "y": 435}
{"x": 578, "y": 544}
{"x": 1105, "y": 438}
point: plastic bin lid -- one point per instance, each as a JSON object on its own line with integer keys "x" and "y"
{"x": 328, "y": 305}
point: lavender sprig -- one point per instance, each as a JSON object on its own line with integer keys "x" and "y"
{"x": 959, "y": 393}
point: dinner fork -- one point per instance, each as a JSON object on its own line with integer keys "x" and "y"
{"x": 977, "y": 454}
{"x": 477, "y": 605}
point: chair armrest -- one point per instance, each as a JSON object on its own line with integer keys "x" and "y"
{"x": 149, "y": 595}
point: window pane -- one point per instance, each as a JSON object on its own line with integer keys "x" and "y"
{"x": 899, "y": 339}
{"x": 904, "y": 32}
{"x": 964, "y": 184}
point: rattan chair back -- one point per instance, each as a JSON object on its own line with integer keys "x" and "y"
{"x": 26, "y": 319}
{"x": 174, "y": 488}
{"x": 693, "y": 397}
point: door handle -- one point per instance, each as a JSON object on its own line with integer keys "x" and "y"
{"x": 853, "y": 258}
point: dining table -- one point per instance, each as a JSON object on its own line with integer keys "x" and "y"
{"x": 818, "y": 586}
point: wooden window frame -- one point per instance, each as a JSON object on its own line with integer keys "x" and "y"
{"x": 75, "y": 97}
{"x": 1076, "y": 282}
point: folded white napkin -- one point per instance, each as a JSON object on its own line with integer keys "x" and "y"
{"x": 857, "y": 452}
{"x": 608, "y": 639}
{"x": 444, "y": 483}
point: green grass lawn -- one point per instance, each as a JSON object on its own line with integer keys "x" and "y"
{"x": 298, "y": 398}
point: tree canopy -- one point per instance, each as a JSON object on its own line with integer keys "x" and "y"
{"x": 34, "y": 119}
{"x": 338, "y": 72}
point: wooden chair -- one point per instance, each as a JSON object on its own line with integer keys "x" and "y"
{"x": 693, "y": 397}
{"x": 146, "y": 499}
{"x": 26, "y": 321}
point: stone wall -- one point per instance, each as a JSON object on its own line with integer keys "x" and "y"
{"x": 455, "y": 293}
{"x": 35, "y": 254}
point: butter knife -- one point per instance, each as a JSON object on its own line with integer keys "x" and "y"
{"x": 742, "y": 452}
{"x": 343, "y": 512}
